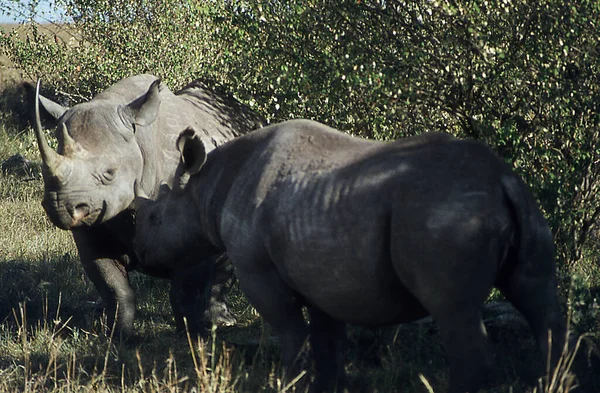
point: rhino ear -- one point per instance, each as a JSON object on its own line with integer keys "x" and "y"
{"x": 145, "y": 108}
{"x": 193, "y": 156}
{"x": 192, "y": 150}
{"x": 53, "y": 109}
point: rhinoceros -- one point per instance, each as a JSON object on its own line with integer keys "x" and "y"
{"x": 361, "y": 232}
{"x": 124, "y": 136}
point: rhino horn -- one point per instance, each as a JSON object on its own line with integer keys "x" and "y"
{"x": 69, "y": 144}
{"x": 141, "y": 198}
{"x": 50, "y": 158}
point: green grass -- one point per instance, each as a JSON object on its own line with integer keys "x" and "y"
{"x": 51, "y": 340}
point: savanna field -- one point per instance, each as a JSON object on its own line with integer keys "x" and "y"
{"x": 480, "y": 70}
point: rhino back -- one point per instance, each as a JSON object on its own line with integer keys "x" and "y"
{"x": 128, "y": 89}
{"x": 218, "y": 117}
{"x": 329, "y": 209}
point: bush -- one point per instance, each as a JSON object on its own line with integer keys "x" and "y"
{"x": 14, "y": 113}
{"x": 521, "y": 76}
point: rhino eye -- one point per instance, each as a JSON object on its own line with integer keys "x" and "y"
{"x": 109, "y": 175}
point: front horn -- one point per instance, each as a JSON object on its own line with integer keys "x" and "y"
{"x": 50, "y": 158}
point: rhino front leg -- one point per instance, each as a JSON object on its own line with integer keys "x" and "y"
{"x": 198, "y": 294}
{"x": 189, "y": 295}
{"x": 111, "y": 280}
{"x": 280, "y": 307}
{"x": 218, "y": 313}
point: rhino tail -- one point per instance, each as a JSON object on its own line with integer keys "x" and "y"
{"x": 528, "y": 277}
{"x": 533, "y": 240}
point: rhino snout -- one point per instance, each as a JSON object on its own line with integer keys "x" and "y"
{"x": 79, "y": 212}
{"x": 86, "y": 214}
{"x": 57, "y": 214}
{"x": 68, "y": 216}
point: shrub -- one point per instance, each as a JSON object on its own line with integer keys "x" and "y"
{"x": 521, "y": 76}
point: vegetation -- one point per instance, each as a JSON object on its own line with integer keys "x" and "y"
{"x": 521, "y": 76}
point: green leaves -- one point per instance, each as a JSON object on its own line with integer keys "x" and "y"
{"x": 520, "y": 76}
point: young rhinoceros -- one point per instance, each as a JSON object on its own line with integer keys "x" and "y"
{"x": 362, "y": 232}
{"x": 124, "y": 136}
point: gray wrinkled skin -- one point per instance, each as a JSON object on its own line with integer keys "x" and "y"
{"x": 123, "y": 137}
{"x": 362, "y": 232}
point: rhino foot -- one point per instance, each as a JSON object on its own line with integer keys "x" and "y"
{"x": 219, "y": 315}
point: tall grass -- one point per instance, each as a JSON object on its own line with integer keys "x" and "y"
{"x": 55, "y": 357}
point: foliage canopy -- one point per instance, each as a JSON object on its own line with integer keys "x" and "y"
{"x": 521, "y": 76}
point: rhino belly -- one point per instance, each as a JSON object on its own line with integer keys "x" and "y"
{"x": 374, "y": 312}
{"x": 366, "y": 293}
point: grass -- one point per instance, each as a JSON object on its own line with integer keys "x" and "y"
{"x": 51, "y": 340}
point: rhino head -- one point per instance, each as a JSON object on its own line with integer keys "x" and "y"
{"x": 89, "y": 178}
{"x": 168, "y": 224}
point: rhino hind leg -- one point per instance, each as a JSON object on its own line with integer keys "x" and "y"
{"x": 536, "y": 299}
{"x": 529, "y": 283}
{"x": 469, "y": 354}
{"x": 328, "y": 340}
{"x": 179, "y": 311}
{"x": 218, "y": 312}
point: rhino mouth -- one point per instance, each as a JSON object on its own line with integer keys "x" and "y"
{"x": 66, "y": 216}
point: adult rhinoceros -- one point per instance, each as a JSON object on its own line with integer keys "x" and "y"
{"x": 126, "y": 135}
{"x": 362, "y": 232}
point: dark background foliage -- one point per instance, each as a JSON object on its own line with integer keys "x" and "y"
{"x": 521, "y": 76}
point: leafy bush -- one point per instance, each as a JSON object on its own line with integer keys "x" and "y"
{"x": 106, "y": 41}
{"x": 521, "y": 76}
